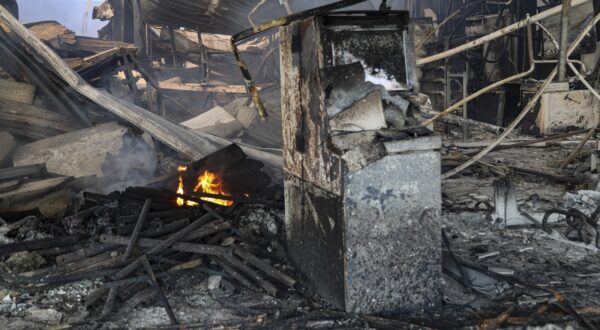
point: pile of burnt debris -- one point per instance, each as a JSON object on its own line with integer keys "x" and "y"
{"x": 139, "y": 187}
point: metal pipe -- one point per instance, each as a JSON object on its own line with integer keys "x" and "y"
{"x": 527, "y": 108}
{"x": 282, "y": 21}
{"x": 492, "y": 86}
{"x": 564, "y": 40}
{"x": 570, "y": 63}
{"x": 500, "y": 33}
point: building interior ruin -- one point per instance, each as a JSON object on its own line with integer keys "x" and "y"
{"x": 289, "y": 164}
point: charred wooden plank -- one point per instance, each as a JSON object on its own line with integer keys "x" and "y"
{"x": 102, "y": 259}
{"x": 17, "y": 91}
{"x": 551, "y": 176}
{"x": 139, "y": 298}
{"x": 112, "y": 294}
{"x": 265, "y": 267}
{"x": 208, "y": 230}
{"x": 86, "y": 252}
{"x": 158, "y": 290}
{"x": 170, "y": 214}
{"x": 203, "y": 249}
{"x": 257, "y": 278}
{"x": 27, "y": 171}
{"x": 163, "y": 245}
{"x": 167, "y": 229}
{"x": 234, "y": 273}
{"x": 40, "y": 244}
{"x": 7, "y": 146}
{"x": 32, "y": 121}
{"x": 173, "y": 270}
{"x": 30, "y": 190}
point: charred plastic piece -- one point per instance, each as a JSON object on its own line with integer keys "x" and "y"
{"x": 362, "y": 188}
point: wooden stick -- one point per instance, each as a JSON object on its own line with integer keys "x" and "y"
{"x": 159, "y": 291}
{"x": 578, "y": 149}
{"x": 557, "y": 178}
{"x": 203, "y": 249}
{"x": 164, "y": 245}
{"x": 265, "y": 267}
{"x": 112, "y": 294}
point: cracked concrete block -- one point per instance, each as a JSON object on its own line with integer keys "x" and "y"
{"x": 77, "y": 154}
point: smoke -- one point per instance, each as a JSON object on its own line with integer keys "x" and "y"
{"x": 133, "y": 165}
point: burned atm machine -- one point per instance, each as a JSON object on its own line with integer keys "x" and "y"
{"x": 362, "y": 178}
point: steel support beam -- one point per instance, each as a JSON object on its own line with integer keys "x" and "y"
{"x": 564, "y": 40}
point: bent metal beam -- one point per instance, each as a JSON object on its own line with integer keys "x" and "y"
{"x": 495, "y": 35}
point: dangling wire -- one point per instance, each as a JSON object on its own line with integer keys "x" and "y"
{"x": 282, "y": 21}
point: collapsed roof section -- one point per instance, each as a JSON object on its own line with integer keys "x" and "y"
{"x": 46, "y": 70}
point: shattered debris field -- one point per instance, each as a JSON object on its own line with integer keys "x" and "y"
{"x": 351, "y": 164}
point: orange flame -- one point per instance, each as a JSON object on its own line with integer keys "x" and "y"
{"x": 180, "y": 201}
{"x": 208, "y": 183}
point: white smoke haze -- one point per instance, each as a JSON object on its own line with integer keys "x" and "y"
{"x": 133, "y": 165}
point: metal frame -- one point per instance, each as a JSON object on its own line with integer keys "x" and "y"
{"x": 282, "y": 21}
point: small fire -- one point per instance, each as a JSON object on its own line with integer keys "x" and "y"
{"x": 180, "y": 201}
{"x": 208, "y": 183}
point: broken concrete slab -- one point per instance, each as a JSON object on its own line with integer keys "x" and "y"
{"x": 7, "y": 146}
{"x": 216, "y": 121}
{"x": 24, "y": 261}
{"x": 49, "y": 316}
{"x": 76, "y": 154}
{"x": 364, "y": 114}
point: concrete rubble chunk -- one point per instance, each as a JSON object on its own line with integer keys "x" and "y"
{"x": 75, "y": 154}
{"x": 364, "y": 114}
{"x": 49, "y": 316}
{"x": 24, "y": 261}
{"x": 216, "y": 121}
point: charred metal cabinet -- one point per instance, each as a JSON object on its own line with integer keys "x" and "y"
{"x": 363, "y": 227}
